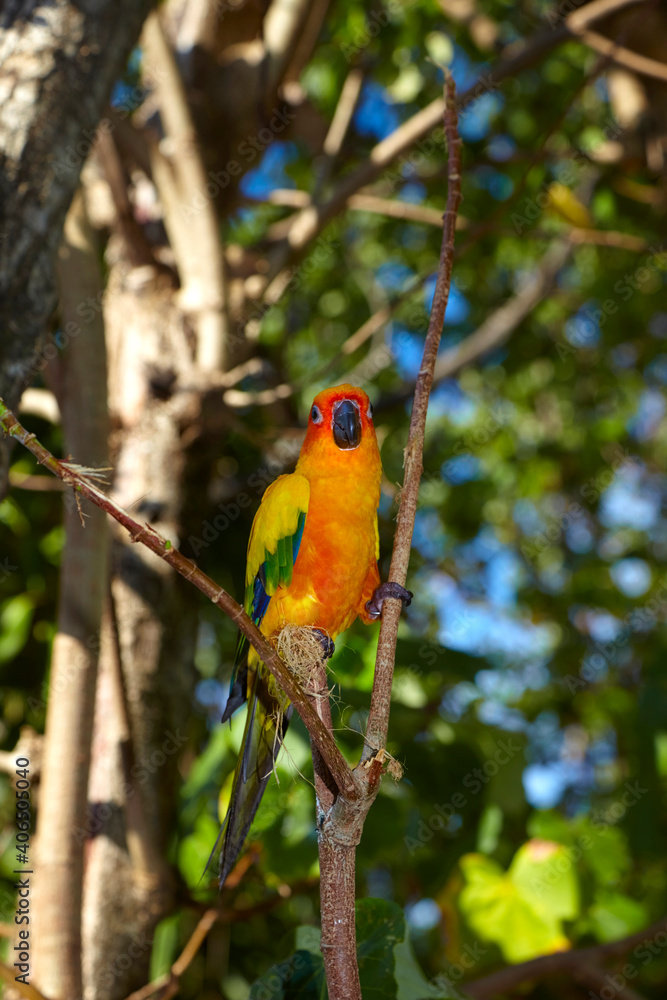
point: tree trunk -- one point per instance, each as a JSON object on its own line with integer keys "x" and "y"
{"x": 58, "y": 63}
{"x": 81, "y": 390}
{"x": 146, "y": 680}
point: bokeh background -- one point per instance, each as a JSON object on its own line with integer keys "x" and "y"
{"x": 529, "y": 707}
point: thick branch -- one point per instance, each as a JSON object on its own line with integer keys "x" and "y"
{"x": 337, "y": 866}
{"x": 189, "y": 216}
{"x": 378, "y": 720}
{"x": 163, "y": 548}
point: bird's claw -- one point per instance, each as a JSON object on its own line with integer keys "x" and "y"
{"x": 326, "y": 643}
{"x": 389, "y": 589}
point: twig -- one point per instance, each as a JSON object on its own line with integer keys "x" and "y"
{"x": 164, "y": 549}
{"x": 558, "y": 963}
{"x": 394, "y": 208}
{"x": 598, "y": 237}
{"x": 378, "y": 719}
{"x": 167, "y": 985}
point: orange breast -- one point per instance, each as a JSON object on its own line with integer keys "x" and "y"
{"x": 336, "y": 555}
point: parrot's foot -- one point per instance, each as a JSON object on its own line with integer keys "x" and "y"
{"x": 326, "y": 643}
{"x": 374, "y": 606}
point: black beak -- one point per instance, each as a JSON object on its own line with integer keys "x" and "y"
{"x": 346, "y": 425}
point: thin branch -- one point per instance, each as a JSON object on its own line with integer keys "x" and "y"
{"x": 597, "y": 10}
{"x": 164, "y": 549}
{"x": 167, "y": 986}
{"x": 340, "y": 124}
{"x": 497, "y": 327}
{"x": 578, "y": 21}
{"x": 378, "y": 719}
{"x": 633, "y": 61}
{"x": 597, "y": 237}
{"x": 558, "y": 963}
{"x": 283, "y": 27}
{"x": 312, "y": 219}
{"x": 394, "y": 208}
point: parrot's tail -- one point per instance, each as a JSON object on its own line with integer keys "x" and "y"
{"x": 265, "y": 728}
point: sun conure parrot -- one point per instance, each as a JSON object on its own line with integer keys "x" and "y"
{"x": 312, "y": 561}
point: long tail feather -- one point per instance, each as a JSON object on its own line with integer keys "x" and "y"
{"x": 265, "y": 729}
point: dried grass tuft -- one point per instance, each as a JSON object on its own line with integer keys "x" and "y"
{"x": 301, "y": 649}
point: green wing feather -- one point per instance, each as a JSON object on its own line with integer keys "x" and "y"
{"x": 272, "y": 551}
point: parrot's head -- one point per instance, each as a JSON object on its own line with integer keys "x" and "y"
{"x": 340, "y": 424}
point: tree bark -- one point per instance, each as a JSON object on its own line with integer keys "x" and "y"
{"x": 337, "y": 867}
{"x": 81, "y": 391}
{"x": 58, "y": 63}
{"x": 146, "y": 676}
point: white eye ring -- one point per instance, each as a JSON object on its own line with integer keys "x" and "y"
{"x": 316, "y": 415}
{"x": 369, "y": 411}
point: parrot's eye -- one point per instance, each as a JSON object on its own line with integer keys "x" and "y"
{"x": 316, "y": 415}
{"x": 369, "y": 411}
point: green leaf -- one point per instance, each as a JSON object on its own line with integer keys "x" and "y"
{"x": 299, "y": 977}
{"x": 195, "y": 849}
{"x": 544, "y": 873}
{"x": 15, "y": 619}
{"x": 521, "y": 910}
{"x": 388, "y": 969}
{"x": 616, "y": 916}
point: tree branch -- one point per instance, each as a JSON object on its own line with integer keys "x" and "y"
{"x": 394, "y": 208}
{"x": 194, "y": 236}
{"x": 558, "y": 963}
{"x": 497, "y": 327}
{"x": 578, "y": 22}
{"x": 23, "y": 989}
{"x": 312, "y": 219}
{"x": 378, "y": 719}
{"x": 76, "y": 477}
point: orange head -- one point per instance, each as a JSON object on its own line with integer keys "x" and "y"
{"x": 340, "y": 428}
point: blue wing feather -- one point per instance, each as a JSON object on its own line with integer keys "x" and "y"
{"x": 238, "y": 691}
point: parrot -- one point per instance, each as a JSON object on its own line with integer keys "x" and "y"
{"x": 312, "y": 562}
